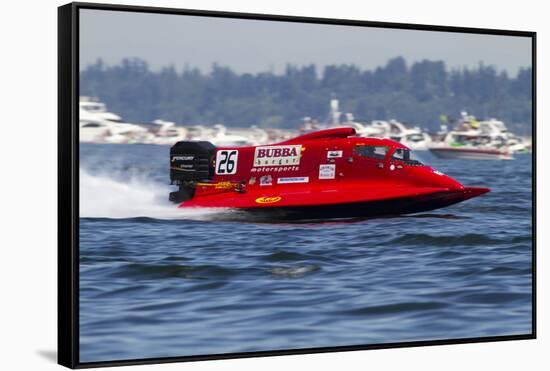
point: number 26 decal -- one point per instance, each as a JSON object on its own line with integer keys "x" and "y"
{"x": 226, "y": 162}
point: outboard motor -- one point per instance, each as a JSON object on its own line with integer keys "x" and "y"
{"x": 190, "y": 162}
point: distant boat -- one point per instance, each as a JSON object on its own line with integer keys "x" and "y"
{"x": 497, "y": 128}
{"x": 471, "y": 153}
{"x": 414, "y": 137}
{"x": 476, "y": 140}
{"x": 219, "y": 135}
{"x": 97, "y": 125}
{"x": 166, "y": 133}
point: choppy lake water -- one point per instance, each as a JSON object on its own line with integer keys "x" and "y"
{"x": 160, "y": 282}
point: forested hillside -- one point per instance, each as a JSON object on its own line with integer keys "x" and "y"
{"x": 417, "y": 94}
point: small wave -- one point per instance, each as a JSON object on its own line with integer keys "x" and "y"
{"x": 504, "y": 207}
{"x": 435, "y": 216}
{"x": 508, "y": 271}
{"x": 469, "y": 239}
{"x": 158, "y": 271}
{"x": 397, "y": 308}
{"x": 294, "y": 271}
{"x": 124, "y": 291}
{"x": 290, "y": 256}
{"x": 492, "y": 298}
{"x": 450, "y": 254}
{"x": 159, "y": 306}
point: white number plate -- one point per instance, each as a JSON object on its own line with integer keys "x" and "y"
{"x": 226, "y": 161}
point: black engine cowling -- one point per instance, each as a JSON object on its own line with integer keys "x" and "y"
{"x": 190, "y": 162}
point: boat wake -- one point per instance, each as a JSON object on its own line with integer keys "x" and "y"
{"x": 114, "y": 196}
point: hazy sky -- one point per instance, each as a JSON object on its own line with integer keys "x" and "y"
{"x": 253, "y": 46}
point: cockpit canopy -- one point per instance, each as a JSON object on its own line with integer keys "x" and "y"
{"x": 380, "y": 152}
{"x": 405, "y": 155}
{"x": 377, "y": 152}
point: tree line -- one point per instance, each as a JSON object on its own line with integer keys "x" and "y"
{"x": 418, "y": 94}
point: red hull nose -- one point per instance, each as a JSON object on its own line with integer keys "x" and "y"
{"x": 471, "y": 192}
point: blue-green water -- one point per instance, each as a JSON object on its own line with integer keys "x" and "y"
{"x": 161, "y": 282}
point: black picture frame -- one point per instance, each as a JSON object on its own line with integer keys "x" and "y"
{"x": 68, "y": 182}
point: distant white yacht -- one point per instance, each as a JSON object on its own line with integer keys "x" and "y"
{"x": 478, "y": 140}
{"x": 414, "y": 137}
{"x": 221, "y": 136}
{"x": 166, "y": 133}
{"x": 97, "y": 125}
{"x": 224, "y": 138}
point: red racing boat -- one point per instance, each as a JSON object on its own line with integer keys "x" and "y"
{"x": 321, "y": 175}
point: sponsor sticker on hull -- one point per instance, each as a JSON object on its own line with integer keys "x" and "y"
{"x": 327, "y": 171}
{"x": 295, "y": 179}
{"x": 266, "y": 180}
{"x": 269, "y": 169}
{"x": 268, "y": 200}
{"x": 277, "y": 155}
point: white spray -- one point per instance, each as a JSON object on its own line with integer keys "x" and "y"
{"x": 105, "y": 196}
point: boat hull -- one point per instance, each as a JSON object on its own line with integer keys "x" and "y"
{"x": 360, "y": 209}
